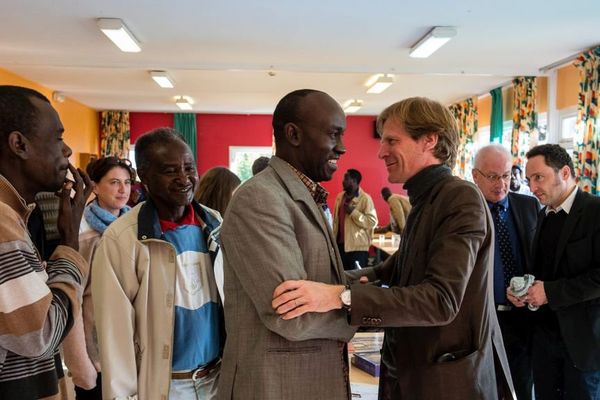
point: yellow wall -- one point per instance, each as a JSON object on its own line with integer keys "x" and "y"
{"x": 484, "y": 110}
{"x": 567, "y": 87}
{"x": 81, "y": 122}
{"x": 484, "y": 104}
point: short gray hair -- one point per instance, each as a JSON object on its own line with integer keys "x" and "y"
{"x": 491, "y": 147}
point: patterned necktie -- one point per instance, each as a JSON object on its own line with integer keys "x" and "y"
{"x": 504, "y": 242}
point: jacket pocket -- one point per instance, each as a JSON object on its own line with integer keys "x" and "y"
{"x": 293, "y": 350}
{"x": 455, "y": 374}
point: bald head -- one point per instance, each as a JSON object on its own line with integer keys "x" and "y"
{"x": 492, "y": 172}
{"x": 494, "y": 151}
{"x": 308, "y": 126}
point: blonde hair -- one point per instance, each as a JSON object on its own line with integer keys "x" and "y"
{"x": 420, "y": 116}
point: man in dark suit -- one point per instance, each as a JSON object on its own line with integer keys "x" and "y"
{"x": 442, "y": 339}
{"x": 514, "y": 217}
{"x": 566, "y": 346}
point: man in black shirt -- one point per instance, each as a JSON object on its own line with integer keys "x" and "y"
{"x": 566, "y": 349}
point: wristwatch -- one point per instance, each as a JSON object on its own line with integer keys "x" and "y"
{"x": 346, "y": 298}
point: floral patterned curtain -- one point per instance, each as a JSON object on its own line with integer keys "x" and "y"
{"x": 524, "y": 116}
{"x": 466, "y": 116}
{"x": 587, "y": 139}
{"x": 114, "y": 134}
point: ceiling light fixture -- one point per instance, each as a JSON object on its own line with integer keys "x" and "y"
{"x": 434, "y": 39}
{"x": 183, "y": 103}
{"x": 379, "y": 82}
{"x": 116, "y": 31}
{"x": 59, "y": 97}
{"x": 352, "y": 106}
{"x": 162, "y": 79}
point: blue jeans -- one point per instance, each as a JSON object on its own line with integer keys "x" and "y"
{"x": 204, "y": 388}
{"x": 592, "y": 381}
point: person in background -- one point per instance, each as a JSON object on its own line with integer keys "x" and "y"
{"x": 48, "y": 205}
{"x": 39, "y": 300}
{"x": 275, "y": 229}
{"x": 517, "y": 183}
{"x": 566, "y": 251}
{"x": 399, "y": 209}
{"x": 216, "y": 188}
{"x": 137, "y": 194}
{"x": 515, "y": 218}
{"x": 259, "y": 164}
{"x": 354, "y": 219}
{"x": 111, "y": 181}
{"x": 442, "y": 339}
{"x": 158, "y": 313}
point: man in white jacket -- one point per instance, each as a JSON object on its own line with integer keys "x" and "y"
{"x": 158, "y": 312}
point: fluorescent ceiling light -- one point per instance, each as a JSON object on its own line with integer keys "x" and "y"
{"x": 379, "y": 82}
{"x": 352, "y": 106}
{"x": 429, "y": 43}
{"x": 116, "y": 31}
{"x": 183, "y": 103}
{"x": 162, "y": 79}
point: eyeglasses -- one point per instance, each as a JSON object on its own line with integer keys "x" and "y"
{"x": 493, "y": 178}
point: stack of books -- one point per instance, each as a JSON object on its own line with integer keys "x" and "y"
{"x": 365, "y": 348}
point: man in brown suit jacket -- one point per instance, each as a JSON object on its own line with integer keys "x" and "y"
{"x": 276, "y": 228}
{"x": 442, "y": 339}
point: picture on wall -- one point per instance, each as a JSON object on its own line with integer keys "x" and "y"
{"x": 242, "y": 157}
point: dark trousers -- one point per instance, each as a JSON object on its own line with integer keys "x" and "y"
{"x": 93, "y": 394}
{"x": 349, "y": 259}
{"x": 554, "y": 375}
{"x": 516, "y": 334}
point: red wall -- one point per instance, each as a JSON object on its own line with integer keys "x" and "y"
{"x": 216, "y": 132}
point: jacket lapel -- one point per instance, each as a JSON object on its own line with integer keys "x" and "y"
{"x": 570, "y": 224}
{"x": 300, "y": 193}
{"x": 518, "y": 216}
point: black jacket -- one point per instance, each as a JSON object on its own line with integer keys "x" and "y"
{"x": 524, "y": 210}
{"x": 574, "y": 291}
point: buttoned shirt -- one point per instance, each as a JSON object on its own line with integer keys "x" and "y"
{"x": 318, "y": 193}
{"x": 565, "y": 205}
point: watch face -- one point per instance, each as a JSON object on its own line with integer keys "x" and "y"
{"x": 345, "y": 296}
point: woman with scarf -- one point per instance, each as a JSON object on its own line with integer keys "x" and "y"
{"x": 111, "y": 178}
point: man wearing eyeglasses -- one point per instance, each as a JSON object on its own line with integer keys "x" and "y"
{"x": 514, "y": 217}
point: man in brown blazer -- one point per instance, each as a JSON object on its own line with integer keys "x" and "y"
{"x": 442, "y": 339}
{"x": 277, "y": 227}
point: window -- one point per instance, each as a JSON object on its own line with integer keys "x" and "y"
{"x": 242, "y": 157}
{"x": 131, "y": 156}
{"x": 567, "y": 127}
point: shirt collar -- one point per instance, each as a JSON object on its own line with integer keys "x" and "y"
{"x": 318, "y": 192}
{"x": 189, "y": 218}
{"x": 503, "y": 203}
{"x": 565, "y": 205}
{"x": 10, "y": 196}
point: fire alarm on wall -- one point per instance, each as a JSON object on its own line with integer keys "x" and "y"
{"x": 59, "y": 97}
